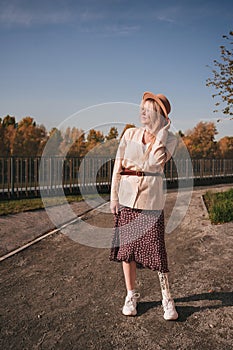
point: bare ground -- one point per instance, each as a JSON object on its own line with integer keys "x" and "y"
{"x": 60, "y": 294}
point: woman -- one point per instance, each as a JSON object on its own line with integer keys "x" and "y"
{"x": 137, "y": 200}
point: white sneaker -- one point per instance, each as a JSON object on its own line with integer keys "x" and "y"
{"x": 170, "y": 312}
{"x": 130, "y": 307}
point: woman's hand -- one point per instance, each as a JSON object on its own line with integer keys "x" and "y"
{"x": 114, "y": 206}
{"x": 162, "y": 135}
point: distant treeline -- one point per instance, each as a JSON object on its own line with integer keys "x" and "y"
{"x": 28, "y": 139}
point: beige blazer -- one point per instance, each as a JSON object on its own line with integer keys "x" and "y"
{"x": 138, "y": 191}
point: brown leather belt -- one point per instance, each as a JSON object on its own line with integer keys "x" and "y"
{"x": 138, "y": 173}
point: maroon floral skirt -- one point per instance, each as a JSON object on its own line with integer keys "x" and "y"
{"x": 139, "y": 236}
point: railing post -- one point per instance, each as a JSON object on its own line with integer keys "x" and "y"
{"x": 12, "y": 175}
{"x": 187, "y": 170}
{"x": 50, "y": 174}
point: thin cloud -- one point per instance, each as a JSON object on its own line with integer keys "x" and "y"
{"x": 92, "y": 18}
{"x": 29, "y": 14}
{"x": 112, "y": 30}
{"x": 170, "y": 14}
{"x": 89, "y": 16}
{"x": 191, "y": 12}
{"x": 121, "y": 29}
{"x": 165, "y": 19}
{"x": 40, "y": 14}
{"x": 11, "y": 14}
{"x": 24, "y": 13}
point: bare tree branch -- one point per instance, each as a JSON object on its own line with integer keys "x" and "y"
{"x": 222, "y": 79}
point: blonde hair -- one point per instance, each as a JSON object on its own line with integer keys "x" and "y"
{"x": 157, "y": 118}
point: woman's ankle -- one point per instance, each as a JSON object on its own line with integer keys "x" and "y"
{"x": 130, "y": 293}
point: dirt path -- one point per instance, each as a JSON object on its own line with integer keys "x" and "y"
{"x": 60, "y": 294}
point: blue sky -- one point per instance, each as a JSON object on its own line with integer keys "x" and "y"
{"x": 58, "y": 57}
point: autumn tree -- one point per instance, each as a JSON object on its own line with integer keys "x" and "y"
{"x": 225, "y": 146}
{"x": 128, "y": 126}
{"x": 200, "y": 141}
{"x": 67, "y": 141}
{"x": 113, "y": 133}
{"x": 181, "y": 148}
{"x": 9, "y": 120}
{"x": 2, "y": 146}
{"x": 8, "y": 131}
{"x": 7, "y": 128}
{"x": 78, "y": 147}
{"x": 4, "y": 149}
{"x": 94, "y": 138}
{"x": 53, "y": 143}
{"x": 73, "y": 143}
{"x": 28, "y": 138}
{"x": 222, "y": 79}
{"x": 44, "y": 138}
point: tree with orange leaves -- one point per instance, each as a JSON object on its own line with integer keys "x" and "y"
{"x": 200, "y": 141}
{"x": 225, "y": 146}
{"x": 28, "y": 138}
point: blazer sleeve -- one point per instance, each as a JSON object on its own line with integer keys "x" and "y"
{"x": 165, "y": 145}
{"x": 118, "y": 167}
{"x": 171, "y": 145}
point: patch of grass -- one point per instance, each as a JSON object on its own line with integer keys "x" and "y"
{"x": 13, "y": 206}
{"x": 219, "y": 206}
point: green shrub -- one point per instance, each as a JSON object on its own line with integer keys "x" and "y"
{"x": 219, "y": 206}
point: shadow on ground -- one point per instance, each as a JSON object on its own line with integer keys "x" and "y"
{"x": 226, "y": 299}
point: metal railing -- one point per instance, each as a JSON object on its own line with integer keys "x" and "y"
{"x": 20, "y": 177}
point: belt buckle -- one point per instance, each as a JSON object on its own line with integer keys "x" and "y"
{"x": 139, "y": 173}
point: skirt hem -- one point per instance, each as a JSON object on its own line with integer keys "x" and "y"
{"x": 140, "y": 265}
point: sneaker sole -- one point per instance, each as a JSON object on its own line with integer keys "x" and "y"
{"x": 171, "y": 318}
{"x": 133, "y": 313}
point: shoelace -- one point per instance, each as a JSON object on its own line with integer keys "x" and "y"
{"x": 134, "y": 298}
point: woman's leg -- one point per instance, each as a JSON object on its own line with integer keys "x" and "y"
{"x": 164, "y": 284}
{"x": 129, "y": 270}
{"x": 130, "y": 306}
{"x": 170, "y": 312}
